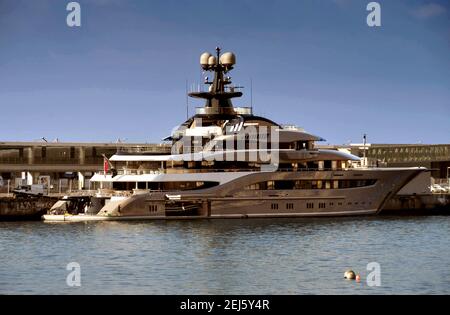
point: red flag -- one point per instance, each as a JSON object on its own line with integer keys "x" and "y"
{"x": 105, "y": 165}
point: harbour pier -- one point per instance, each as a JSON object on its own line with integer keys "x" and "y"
{"x": 418, "y": 204}
{"x": 25, "y": 207}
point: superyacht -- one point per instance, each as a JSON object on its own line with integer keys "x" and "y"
{"x": 226, "y": 162}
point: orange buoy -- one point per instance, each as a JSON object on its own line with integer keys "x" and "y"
{"x": 358, "y": 278}
{"x": 349, "y": 275}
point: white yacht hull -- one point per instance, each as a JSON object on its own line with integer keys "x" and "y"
{"x": 231, "y": 200}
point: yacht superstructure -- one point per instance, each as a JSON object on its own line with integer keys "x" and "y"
{"x": 226, "y": 162}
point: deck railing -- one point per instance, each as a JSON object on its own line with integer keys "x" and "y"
{"x": 209, "y": 170}
{"x": 161, "y": 148}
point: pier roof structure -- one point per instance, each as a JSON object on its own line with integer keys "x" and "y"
{"x": 433, "y": 156}
{"x": 64, "y": 156}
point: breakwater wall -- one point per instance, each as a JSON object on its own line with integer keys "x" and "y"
{"x": 25, "y": 207}
{"x": 420, "y": 204}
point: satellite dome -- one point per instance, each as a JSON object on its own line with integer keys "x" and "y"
{"x": 228, "y": 59}
{"x": 211, "y": 60}
{"x": 204, "y": 58}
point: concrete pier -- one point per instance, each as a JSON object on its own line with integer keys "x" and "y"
{"x": 23, "y": 207}
{"x": 418, "y": 204}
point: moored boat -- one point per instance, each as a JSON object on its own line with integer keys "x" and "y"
{"x": 227, "y": 162}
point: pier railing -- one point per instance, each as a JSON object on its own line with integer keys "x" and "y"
{"x": 210, "y": 170}
{"x": 56, "y": 187}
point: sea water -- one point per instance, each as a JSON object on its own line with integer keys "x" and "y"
{"x": 236, "y": 256}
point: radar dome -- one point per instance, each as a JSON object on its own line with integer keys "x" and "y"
{"x": 204, "y": 58}
{"x": 211, "y": 60}
{"x": 228, "y": 59}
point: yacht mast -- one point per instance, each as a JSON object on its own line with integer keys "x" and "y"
{"x": 218, "y": 99}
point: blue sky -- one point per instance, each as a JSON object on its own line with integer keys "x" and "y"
{"x": 316, "y": 64}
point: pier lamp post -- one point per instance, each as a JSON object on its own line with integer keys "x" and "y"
{"x": 364, "y": 150}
